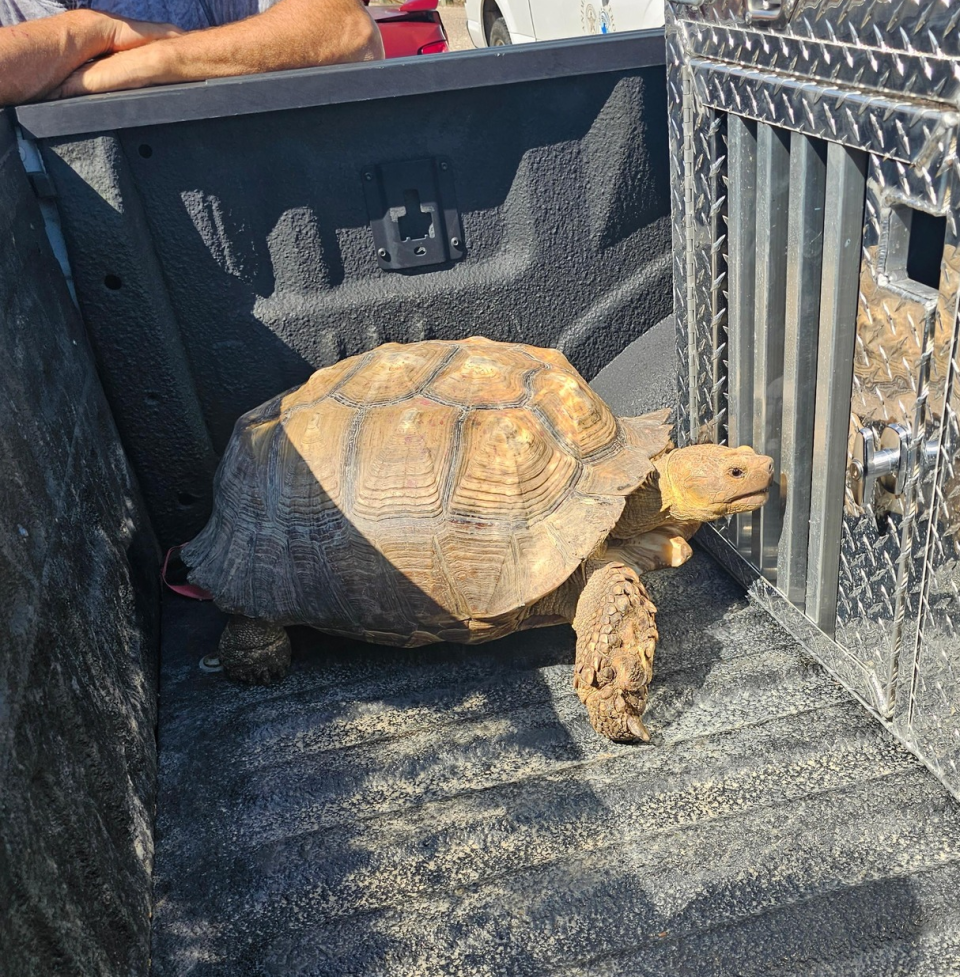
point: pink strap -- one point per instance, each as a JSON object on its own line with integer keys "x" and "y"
{"x": 184, "y": 589}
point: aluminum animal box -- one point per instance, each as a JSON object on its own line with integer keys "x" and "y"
{"x": 815, "y": 179}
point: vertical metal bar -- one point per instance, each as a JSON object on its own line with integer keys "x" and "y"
{"x": 808, "y": 173}
{"x": 842, "y": 232}
{"x": 741, "y": 271}
{"x": 677, "y": 137}
{"x": 910, "y": 504}
{"x": 773, "y": 189}
{"x": 718, "y": 276}
{"x": 689, "y": 202}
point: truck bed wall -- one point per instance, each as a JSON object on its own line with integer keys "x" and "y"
{"x": 78, "y": 633}
{"x": 220, "y": 260}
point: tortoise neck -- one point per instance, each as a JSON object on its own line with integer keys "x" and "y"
{"x": 666, "y": 488}
{"x": 645, "y": 509}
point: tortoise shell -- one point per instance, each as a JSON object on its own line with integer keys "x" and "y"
{"x": 417, "y": 493}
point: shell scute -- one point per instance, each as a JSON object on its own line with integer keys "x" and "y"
{"x": 393, "y": 372}
{"x": 319, "y": 438}
{"x": 580, "y": 418}
{"x": 549, "y": 356}
{"x": 428, "y": 585}
{"x": 483, "y": 376}
{"x": 485, "y": 570}
{"x": 320, "y": 383}
{"x": 512, "y": 470}
{"x": 402, "y": 460}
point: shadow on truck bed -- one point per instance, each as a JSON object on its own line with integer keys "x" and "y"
{"x": 449, "y": 810}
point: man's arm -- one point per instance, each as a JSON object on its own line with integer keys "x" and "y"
{"x": 290, "y": 34}
{"x": 36, "y": 56}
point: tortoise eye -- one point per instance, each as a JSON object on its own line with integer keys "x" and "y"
{"x": 737, "y": 472}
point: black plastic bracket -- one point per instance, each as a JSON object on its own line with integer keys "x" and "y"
{"x": 413, "y": 213}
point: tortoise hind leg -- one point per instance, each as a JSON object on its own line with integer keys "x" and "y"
{"x": 616, "y": 639}
{"x": 254, "y": 651}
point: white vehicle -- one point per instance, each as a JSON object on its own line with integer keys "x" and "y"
{"x": 492, "y": 23}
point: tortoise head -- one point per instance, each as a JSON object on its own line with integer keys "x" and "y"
{"x": 704, "y": 482}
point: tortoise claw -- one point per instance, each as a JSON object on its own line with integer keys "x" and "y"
{"x": 615, "y": 714}
{"x": 635, "y": 725}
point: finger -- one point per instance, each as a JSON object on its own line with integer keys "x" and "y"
{"x": 129, "y": 34}
{"x": 116, "y": 72}
{"x": 92, "y": 79}
{"x": 72, "y": 85}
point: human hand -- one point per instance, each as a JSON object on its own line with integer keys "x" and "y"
{"x": 124, "y": 34}
{"x": 136, "y": 67}
{"x": 38, "y": 55}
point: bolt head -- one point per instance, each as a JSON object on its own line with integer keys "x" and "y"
{"x": 455, "y": 241}
{"x": 368, "y": 176}
{"x": 382, "y": 252}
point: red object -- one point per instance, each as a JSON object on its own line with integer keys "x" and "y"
{"x": 184, "y": 589}
{"x": 411, "y": 29}
{"x": 434, "y": 47}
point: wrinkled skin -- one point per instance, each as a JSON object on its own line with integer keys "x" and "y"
{"x": 615, "y": 619}
{"x": 708, "y": 481}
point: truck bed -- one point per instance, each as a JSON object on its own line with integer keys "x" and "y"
{"x": 449, "y": 810}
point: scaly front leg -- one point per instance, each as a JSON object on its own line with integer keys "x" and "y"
{"x": 254, "y": 651}
{"x": 616, "y": 638}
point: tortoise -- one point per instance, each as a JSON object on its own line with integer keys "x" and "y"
{"x": 459, "y": 491}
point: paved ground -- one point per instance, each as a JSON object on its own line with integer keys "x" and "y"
{"x": 448, "y": 811}
{"x": 455, "y": 24}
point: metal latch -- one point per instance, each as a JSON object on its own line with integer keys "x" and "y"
{"x": 885, "y": 460}
{"x": 769, "y": 9}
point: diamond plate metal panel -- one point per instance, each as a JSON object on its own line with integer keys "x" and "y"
{"x": 930, "y": 721}
{"x": 873, "y": 123}
{"x": 899, "y": 378}
{"x": 864, "y": 28}
{"x": 797, "y": 52}
{"x": 677, "y": 139}
{"x": 927, "y": 713}
{"x": 880, "y": 78}
{"x": 708, "y": 313}
{"x": 697, "y": 137}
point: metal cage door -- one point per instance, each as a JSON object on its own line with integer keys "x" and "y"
{"x": 817, "y": 279}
